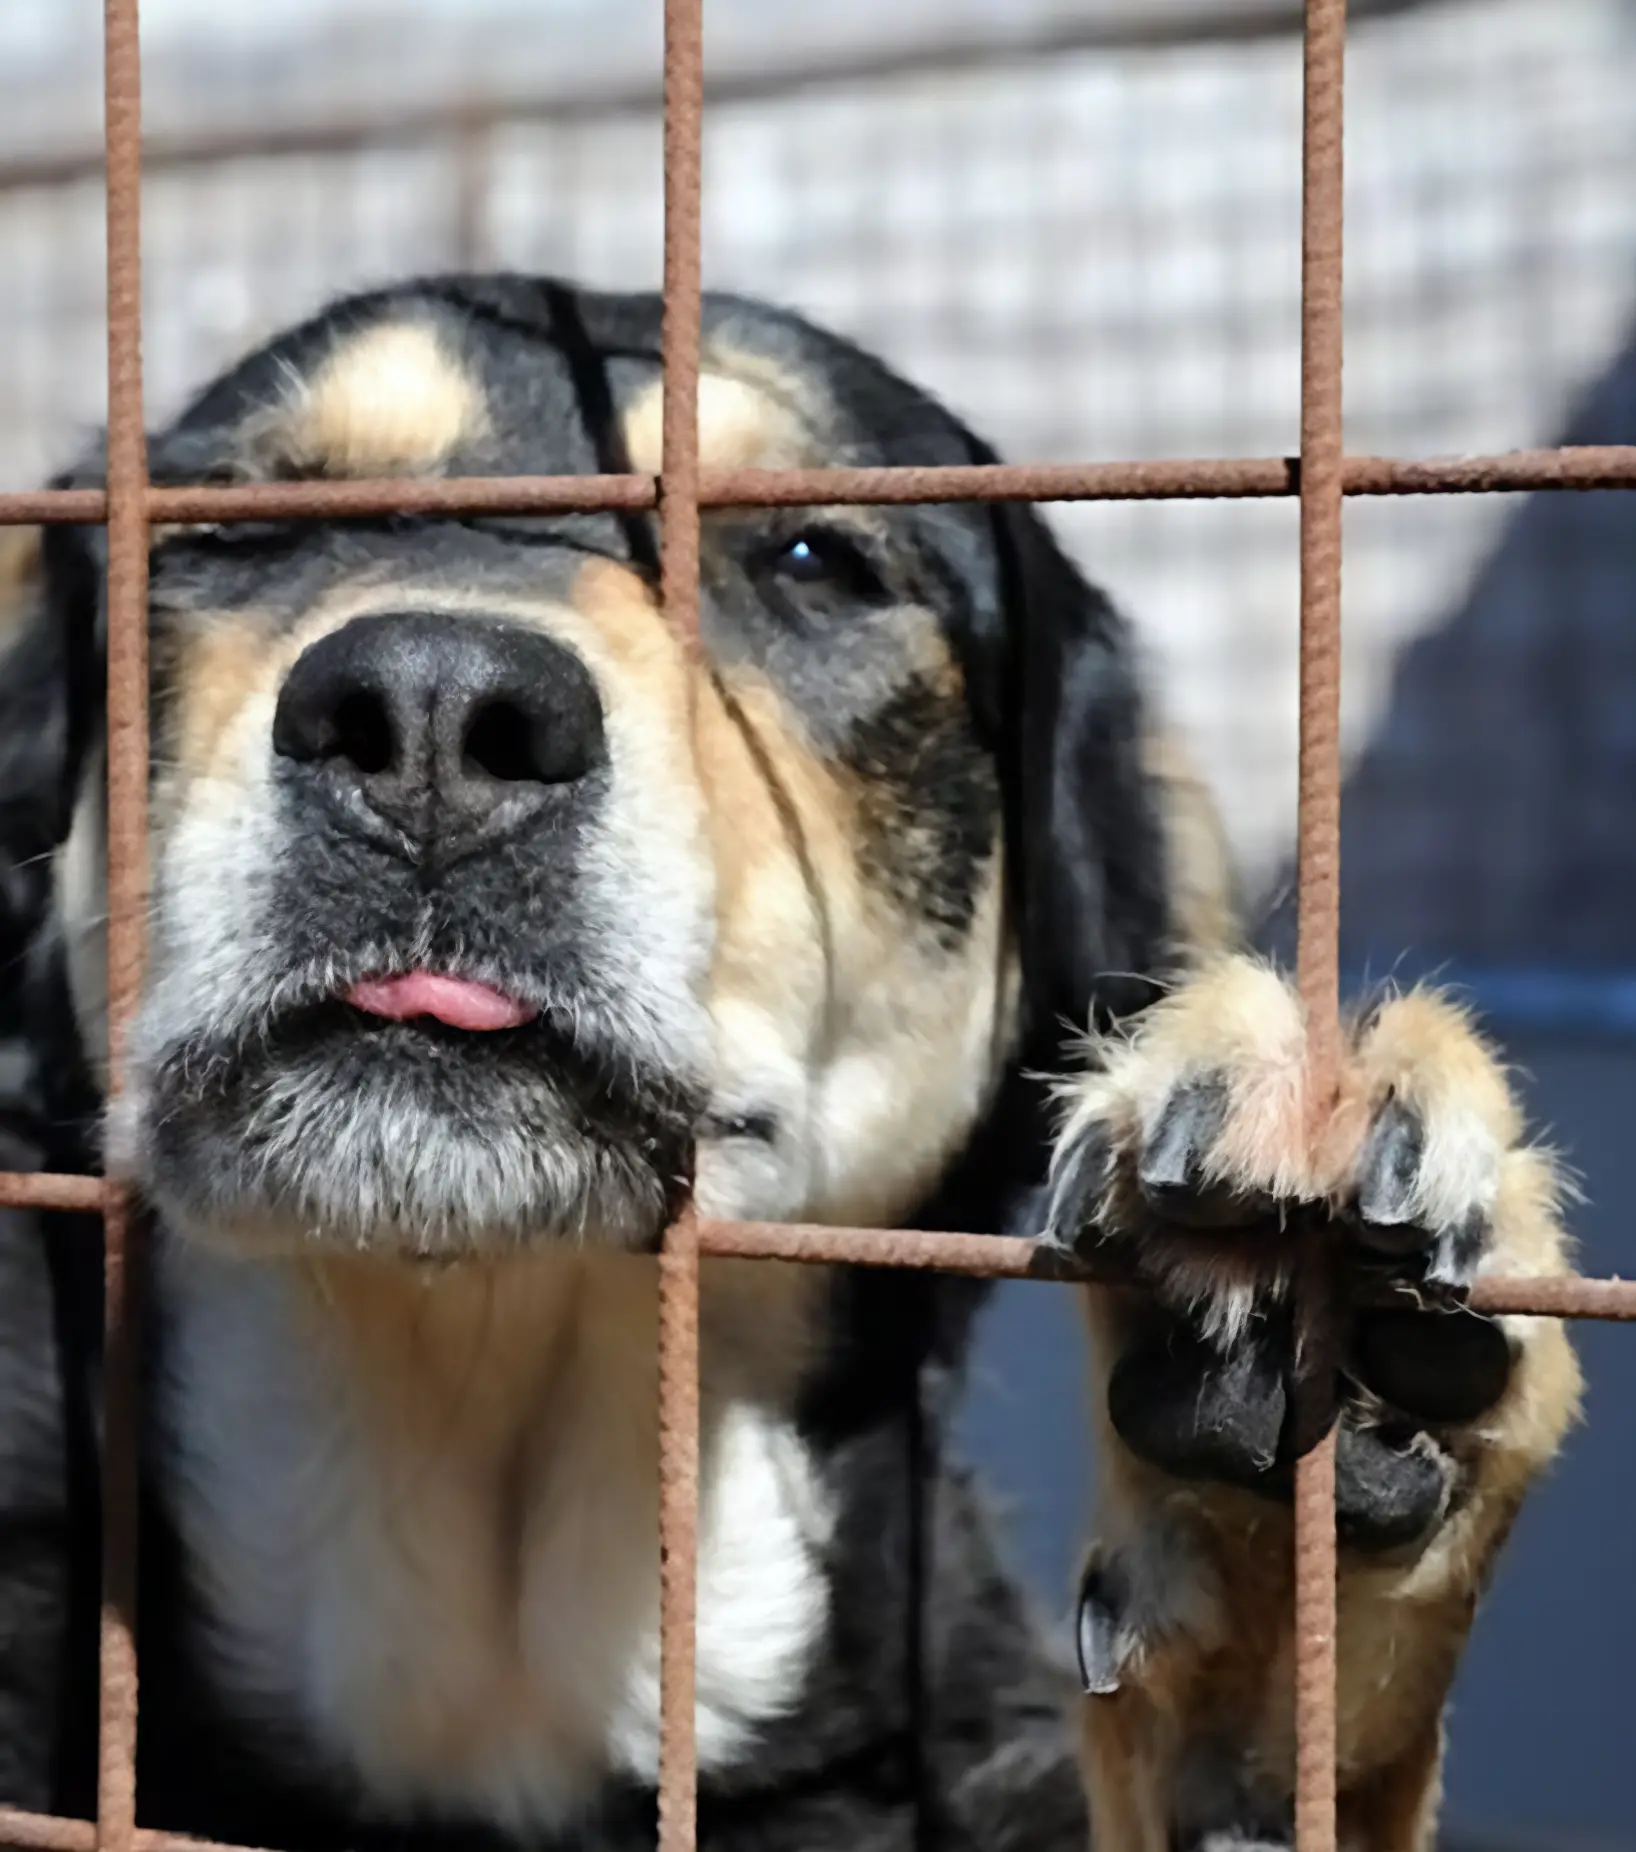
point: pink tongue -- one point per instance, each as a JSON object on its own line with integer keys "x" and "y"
{"x": 454, "y": 1000}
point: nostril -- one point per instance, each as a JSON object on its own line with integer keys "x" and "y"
{"x": 361, "y": 732}
{"x": 500, "y": 741}
{"x": 507, "y": 741}
{"x": 326, "y": 712}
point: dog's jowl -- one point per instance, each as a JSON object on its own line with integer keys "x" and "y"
{"x": 478, "y": 908}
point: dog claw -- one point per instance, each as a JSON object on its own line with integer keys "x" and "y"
{"x": 1389, "y": 1182}
{"x": 1073, "y": 1219}
{"x": 1172, "y": 1174}
{"x": 1101, "y": 1635}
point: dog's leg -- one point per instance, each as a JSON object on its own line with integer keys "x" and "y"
{"x": 1192, "y": 1151}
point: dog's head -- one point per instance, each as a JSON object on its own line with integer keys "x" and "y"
{"x": 475, "y": 899}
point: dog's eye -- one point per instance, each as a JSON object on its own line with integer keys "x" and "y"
{"x": 823, "y": 558}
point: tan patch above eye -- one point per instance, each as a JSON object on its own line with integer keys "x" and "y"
{"x": 741, "y": 426}
{"x": 390, "y": 401}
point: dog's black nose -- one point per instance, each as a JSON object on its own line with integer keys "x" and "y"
{"x": 441, "y": 724}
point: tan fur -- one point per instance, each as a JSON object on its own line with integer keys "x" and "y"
{"x": 1402, "y": 1624}
{"x": 1397, "y": 1805}
{"x": 392, "y": 400}
{"x": 224, "y": 662}
{"x": 441, "y": 1368}
{"x": 751, "y": 416}
{"x": 1131, "y": 1734}
{"x": 471, "y": 1339}
{"x": 621, "y": 611}
{"x": 801, "y": 933}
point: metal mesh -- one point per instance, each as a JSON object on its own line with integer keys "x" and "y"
{"x": 1086, "y": 241}
{"x": 1320, "y": 476}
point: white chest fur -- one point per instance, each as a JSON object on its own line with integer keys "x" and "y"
{"x": 423, "y": 1516}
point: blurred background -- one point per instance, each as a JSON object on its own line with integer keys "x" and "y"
{"x": 1078, "y": 221}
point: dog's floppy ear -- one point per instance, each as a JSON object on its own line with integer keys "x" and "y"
{"x": 1083, "y": 824}
{"x": 51, "y": 691}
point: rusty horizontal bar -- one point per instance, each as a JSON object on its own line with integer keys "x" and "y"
{"x": 984, "y": 482}
{"x": 988, "y": 1256}
{"x": 1014, "y": 1257}
{"x": 44, "y": 1189}
{"x": 1585, "y": 466}
{"x": 1569, "y": 1297}
{"x": 1572, "y": 467}
{"x": 449, "y": 495}
{"x": 48, "y": 1832}
{"x": 1564, "y": 466}
{"x": 53, "y": 508}
{"x": 1000, "y": 1257}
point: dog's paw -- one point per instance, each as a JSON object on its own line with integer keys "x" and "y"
{"x": 1196, "y": 1167}
{"x": 1191, "y": 1146}
{"x": 1193, "y": 1157}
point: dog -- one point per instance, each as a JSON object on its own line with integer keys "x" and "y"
{"x": 483, "y": 915}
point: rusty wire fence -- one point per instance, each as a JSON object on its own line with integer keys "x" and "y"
{"x": 1084, "y": 240}
{"x": 1319, "y": 478}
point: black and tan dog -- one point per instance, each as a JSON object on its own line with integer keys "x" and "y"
{"x": 474, "y": 904}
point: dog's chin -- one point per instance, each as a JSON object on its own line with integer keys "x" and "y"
{"x": 335, "y": 1132}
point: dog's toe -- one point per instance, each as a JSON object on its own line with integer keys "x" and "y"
{"x": 1422, "y": 1226}
{"x": 1428, "y": 1170}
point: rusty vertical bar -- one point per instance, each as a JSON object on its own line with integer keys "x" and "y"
{"x": 679, "y": 453}
{"x": 1318, "y": 908}
{"x": 127, "y": 596}
{"x": 678, "y": 1529}
{"x": 679, "y": 1254}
